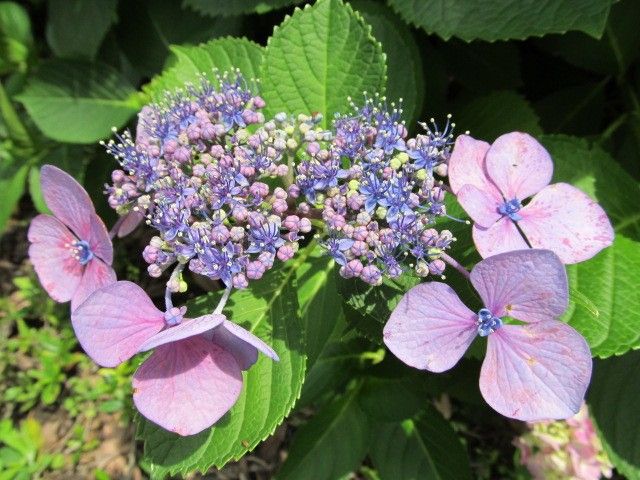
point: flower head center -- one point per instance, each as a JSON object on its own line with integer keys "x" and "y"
{"x": 487, "y": 322}
{"x": 511, "y": 209}
{"x": 81, "y": 251}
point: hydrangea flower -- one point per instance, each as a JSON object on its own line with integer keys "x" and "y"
{"x": 204, "y": 180}
{"x": 492, "y": 182}
{"x": 194, "y": 375}
{"x": 71, "y": 251}
{"x": 377, "y": 194}
{"x": 564, "y": 450}
{"x": 535, "y": 371}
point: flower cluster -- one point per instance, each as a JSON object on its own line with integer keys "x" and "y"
{"x": 200, "y": 176}
{"x": 564, "y": 450}
{"x": 378, "y": 193}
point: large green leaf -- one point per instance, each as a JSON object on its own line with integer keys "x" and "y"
{"x": 147, "y": 29}
{"x": 426, "y": 448}
{"x": 270, "y": 310}
{"x": 76, "y": 28}
{"x": 318, "y": 58}
{"x": 220, "y": 54}
{"x": 16, "y": 40}
{"x": 78, "y": 102}
{"x": 491, "y": 115}
{"x": 331, "y": 445}
{"x": 504, "y": 19}
{"x": 404, "y": 61}
{"x": 613, "y": 401}
{"x": 224, "y": 8}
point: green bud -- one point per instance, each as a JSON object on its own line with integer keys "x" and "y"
{"x": 395, "y": 163}
{"x": 183, "y": 286}
{"x": 292, "y": 144}
{"x": 242, "y": 134}
{"x": 421, "y": 174}
{"x": 402, "y": 157}
{"x": 354, "y": 184}
{"x": 381, "y": 213}
{"x": 434, "y": 252}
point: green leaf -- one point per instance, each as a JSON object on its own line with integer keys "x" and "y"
{"x": 404, "y": 63}
{"x": 504, "y": 19}
{"x": 270, "y": 310}
{"x": 12, "y": 184}
{"x": 16, "y": 40}
{"x": 426, "y": 448}
{"x": 223, "y": 54}
{"x": 367, "y": 307}
{"x": 339, "y": 432}
{"x": 490, "y": 116}
{"x": 610, "y": 282}
{"x": 78, "y": 102}
{"x": 224, "y": 8}
{"x": 318, "y": 58}
{"x": 150, "y": 27}
{"x": 76, "y": 28}
{"x": 613, "y": 402}
{"x": 593, "y": 171}
{"x": 318, "y": 296}
{"x": 394, "y": 397}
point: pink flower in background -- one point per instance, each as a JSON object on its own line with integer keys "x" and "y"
{"x": 567, "y": 450}
{"x": 194, "y": 375}
{"x": 70, "y": 251}
{"x": 492, "y": 182}
{"x": 539, "y": 370}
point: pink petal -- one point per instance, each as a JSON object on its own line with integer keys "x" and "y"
{"x": 97, "y": 274}
{"x": 481, "y": 207}
{"x": 530, "y": 285}
{"x": 58, "y": 272}
{"x": 430, "y": 328}
{"x": 187, "y": 328}
{"x": 187, "y": 386}
{"x": 115, "y": 321}
{"x": 536, "y": 371}
{"x": 564, "y": 219}
{"x": 99, "y": 240}
{"x": 129, "y": 223}
{"x": 466, "y": 166}
{"x": 242, "y": 344}
{"x": 502, "y": 236}
{"x": 518, "y": 165}
{"x": 68, "y": 201}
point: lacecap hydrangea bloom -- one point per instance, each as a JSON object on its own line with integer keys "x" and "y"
{"x": 378, "y": 193}
{"x": 564, "y": 450}
{"x": 201, "y": 178}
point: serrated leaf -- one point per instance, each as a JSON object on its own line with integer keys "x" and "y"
{"x": 222, "y": 54}
{"x": 318, "y": 58}
{"x": 393, "y": 398}
{"x": 491, "y": 115}
{"x": 224, "y": 8}
{"x": 340, "y": 432}
{"x": 504, "y": 19}
{"x": 91, "y": 19}
{"x": 404, "y": 63}
{"x": 148, "y": 28}
{"x": 78, "y": 102}
{"x": 270, "y": 310}
{"x": 613, "y": 402}
{"x": 610, "y": 282}
{"x": 367, "y": 308}
{"x": 426, "y": 448}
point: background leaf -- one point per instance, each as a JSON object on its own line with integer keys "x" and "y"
{"x": 613, "y": 402}
{"x": 426, "y": 448}
{"x": 12, "y": 183}
{"x": 504, "y": 19}
{"x": 221, "y": 54}
{"x": 331, "y": 444}
{"x": 78, "y": 102}
{"x": 318, "y": 58}
{"x": 225, "y": 8}
{"x": 16, "y": 40}
{"x": 269, "y": 310}
{"x": 76, "y": 28}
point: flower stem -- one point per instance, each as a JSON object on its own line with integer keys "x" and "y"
{"x": 454, "y": 263}
{"x": 223, "y": 301}
{"x": 167, "y": 293}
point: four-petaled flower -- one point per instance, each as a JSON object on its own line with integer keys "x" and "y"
{"x": 492, "y": 181}
{"x": 194, "y": 375}
{"x": 535, "y": 371}
{"x": 71, "y": 251}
